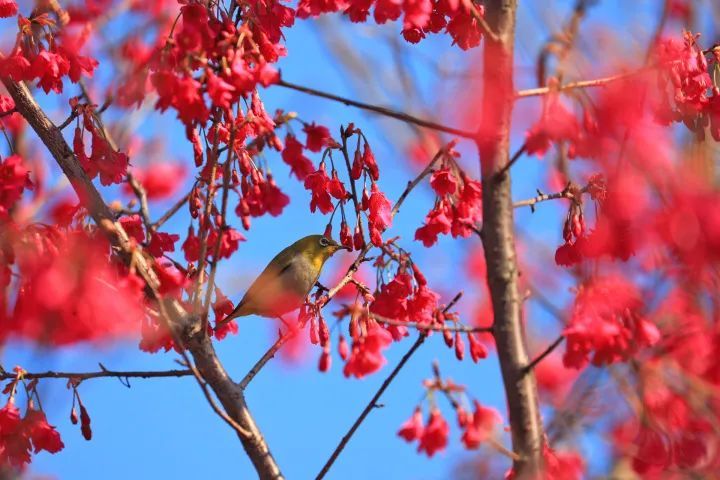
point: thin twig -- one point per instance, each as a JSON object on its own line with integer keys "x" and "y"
{"x": 380, "y": 110}
{"x": 73, "y": 115}
{"x": 204, "y": 228}
{"x": 8, "y": 113}
{"x": 544, "y": 354}
{"x": 101, "y": 374}
{"x": 426, "y": 171}
{"x": 543, "y": 197}
{"x": 353, "y": 188}
{"x": 266, "y": 357}
{"x": 141, "y": 194}
{"x": 435, "y": 328}
{"x": 223, "y": 227}
{"x": 480, "y": 19}
{"x": 512, "y": 161}
{"x": 172, "y": 211}
{"x": 598, "y": 82}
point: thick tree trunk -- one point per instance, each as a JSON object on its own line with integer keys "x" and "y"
{"x": 499, "y": 242}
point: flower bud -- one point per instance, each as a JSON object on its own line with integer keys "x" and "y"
{"x": 325, "y": 361}
{"x": 345, "y": 236}
{"x": 343, "y": 349}
{"x": 447, "y": 336}
{"x": 314, "y": 334}
{"x": 324, "y": 333}
{"x": 356, "y": 169}
{"x": 358, "y": 240}
{"x": 459, "y": 346}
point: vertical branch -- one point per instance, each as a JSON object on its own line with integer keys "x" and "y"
{"x": 499, "y": 242}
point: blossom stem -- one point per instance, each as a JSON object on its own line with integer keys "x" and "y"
{"x": 172, "y": 211}
{"x": 435, "y": 328}
{"x": 380, "y": 110}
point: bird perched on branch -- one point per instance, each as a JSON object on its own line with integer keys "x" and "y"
{"x": 287, "y": 280}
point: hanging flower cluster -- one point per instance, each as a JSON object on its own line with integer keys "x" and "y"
{"x": 22, "y": 435}
{"x": 478, "y": 424}
{"x": 420, "y": 17}
{"x": 607, "y": 323}
{"x": 458, "y": 203}
{"x": 46, "y": 52}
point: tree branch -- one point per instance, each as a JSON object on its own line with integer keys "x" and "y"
{"x": 100, "y": 374}
{"x": 380, "y": 110}
{"x": 206, "y": 360}
{"x": 543, "y": 197}
{"x": 373, "y": 401}
{"x": 598, "y": 82}
{"x": 435, "y": 328}
{"x": 499, "y": 242}
{"x": 266, "y": 357}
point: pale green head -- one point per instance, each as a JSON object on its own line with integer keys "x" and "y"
{"x": 316, "y": 248}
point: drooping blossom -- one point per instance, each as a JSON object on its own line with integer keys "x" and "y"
{"x": 318, "y": 184}
{"x": 607, "y": 324}
{"x": 379, "y": 216}
{"x": 366, "y": 356}
{"x": 484, "y": 421}
{"x": 435, "y": 435}
{"x": 292, "y": 154}
{"x": 413, "y": 428}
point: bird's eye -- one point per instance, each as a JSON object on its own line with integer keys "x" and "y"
{"x": 324, "y": 242}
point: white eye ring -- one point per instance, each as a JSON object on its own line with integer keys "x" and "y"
{"x": 324, "y": 242}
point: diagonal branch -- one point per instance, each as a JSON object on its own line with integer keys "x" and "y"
{"x": 388, "y": 112}
{"x": 373, "y": 401}
{"x": 206, "y": 360}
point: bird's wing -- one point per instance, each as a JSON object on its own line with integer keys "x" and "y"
{"x": 267, "y": 285}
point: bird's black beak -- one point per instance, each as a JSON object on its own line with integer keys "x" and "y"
{"x": 340, "y": 246}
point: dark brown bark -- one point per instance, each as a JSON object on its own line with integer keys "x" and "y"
{"x": 499, "y": 242}
{"x": 207, "y": 363}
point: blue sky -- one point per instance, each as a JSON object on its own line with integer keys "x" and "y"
{"x": 164, "y": 428}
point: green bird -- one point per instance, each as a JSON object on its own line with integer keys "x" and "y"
{"x": 287, "y": 280}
